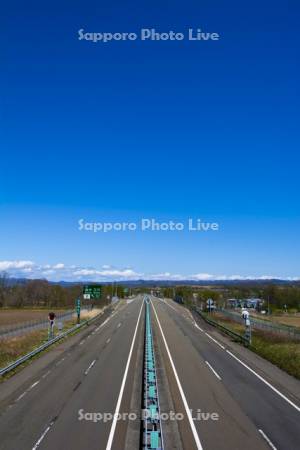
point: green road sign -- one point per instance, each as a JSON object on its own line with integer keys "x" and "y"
{"x": 78, "y": 305}
{"x": 92, "y": 291}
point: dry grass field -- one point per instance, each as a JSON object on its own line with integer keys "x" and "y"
{"x": 14, "y": 316}
{"x": 291, "y": 320}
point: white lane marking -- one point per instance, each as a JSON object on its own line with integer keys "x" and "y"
{"x": 114, "y": 424}
{"x": 105, "y": 322}
{"x": 213, "y": 370}
{"x": 197, "y": 326}
{"x": 213, "y": 339}
{"x": 27, "y": 390}
{"x": 191, "y": 315}
{"x": 170, "y": 306}
{"x": 82, "y": 342}
{"x": 108, "y": 341}
{"x": 46, "y": 374}
{"x": 267, "y": 439}
{"x": 37, "y": 444}
{"x": 119, "y": 324}
{"x": 89, "y": 368}
{"x": 186, "y": 406}
{"x": 34, "y": 384}
{"x": 21, "y": 396}
{"x": 264, "y": 381}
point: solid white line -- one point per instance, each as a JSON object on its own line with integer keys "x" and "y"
{"x": 169, "y": 305}
{"x": 267, "y": 439}
{"x": 265, "y": 381}
{"x": 36, "y": 445}
{"x": 191, "y": 316}
{"x": 197, "y": 326}
{"x": 89, "y": 368}
{"x": 213, "y": 370}
{"x": 213, "y": 339}
{"x": 186, "y": 406}
{"x": 114, "y": 424}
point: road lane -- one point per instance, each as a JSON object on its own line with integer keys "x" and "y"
{"x": 268, "y": 411}
{"x": 44, "y": 412}
{"x": 205, "y": 394}
{"x": 52, "y": 406}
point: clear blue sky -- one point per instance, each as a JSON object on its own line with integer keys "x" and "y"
{"x": 171, "y": 130}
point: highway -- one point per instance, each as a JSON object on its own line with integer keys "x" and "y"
{"x": 225, "y": 397}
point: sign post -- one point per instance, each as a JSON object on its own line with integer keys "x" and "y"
{"x": 51, "y": 318}
{"x": 209, "y": 304}
{"x": 246, "y": 317}
{"x": 78, "y": 308}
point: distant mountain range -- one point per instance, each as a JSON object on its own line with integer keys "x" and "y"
{"x": 165, "y": 283}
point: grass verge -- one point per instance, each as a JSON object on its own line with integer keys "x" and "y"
{"x": 279, "y": 350}
{"x": 17, "y": 346}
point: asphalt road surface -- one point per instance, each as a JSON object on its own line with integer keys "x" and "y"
{"x": 225, "y": 397}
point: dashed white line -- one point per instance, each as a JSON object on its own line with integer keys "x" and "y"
{"x": 89, "y": 368}
{"x": 186, "y": 406}
{"x": 36, "y": 445}
{"x": 34, "y": 384}
{"x": 82, "y": 342}
{"x": 264, "y": 381}
{"x": 267, "y": 439}
{"x": 46, "y": 374}
{"x": 119, "y": 324}
{"x": 21, "y": 396}
{"x": 105, "y": 321}
{"x": 213, "y": 339}
{"x": 116, "y": 414}
{"x": 27, "y": 390}
{"x": 108, "y": 341}
{"x": 213, "y": 370}
{"x": 249, "y": 368}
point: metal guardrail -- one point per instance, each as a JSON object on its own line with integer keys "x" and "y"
{"x": 225, "y": 330}
{"x": 265, "y": 325}
{"x": 15, "y": 364}
{"x": 152, "y": 432}
{"x": 6, "y": 331}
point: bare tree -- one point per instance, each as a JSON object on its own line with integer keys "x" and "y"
{"x": 3, "y": 287}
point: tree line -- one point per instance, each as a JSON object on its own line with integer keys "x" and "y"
{"x": 41, "y": 293}
{"x": 276, "y": 296}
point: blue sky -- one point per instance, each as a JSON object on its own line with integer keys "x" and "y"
{"x": 170, "y": 130}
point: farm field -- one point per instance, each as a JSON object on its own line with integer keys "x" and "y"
{"x": 293, "y": 321}
{"x": 15, "y": 316}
